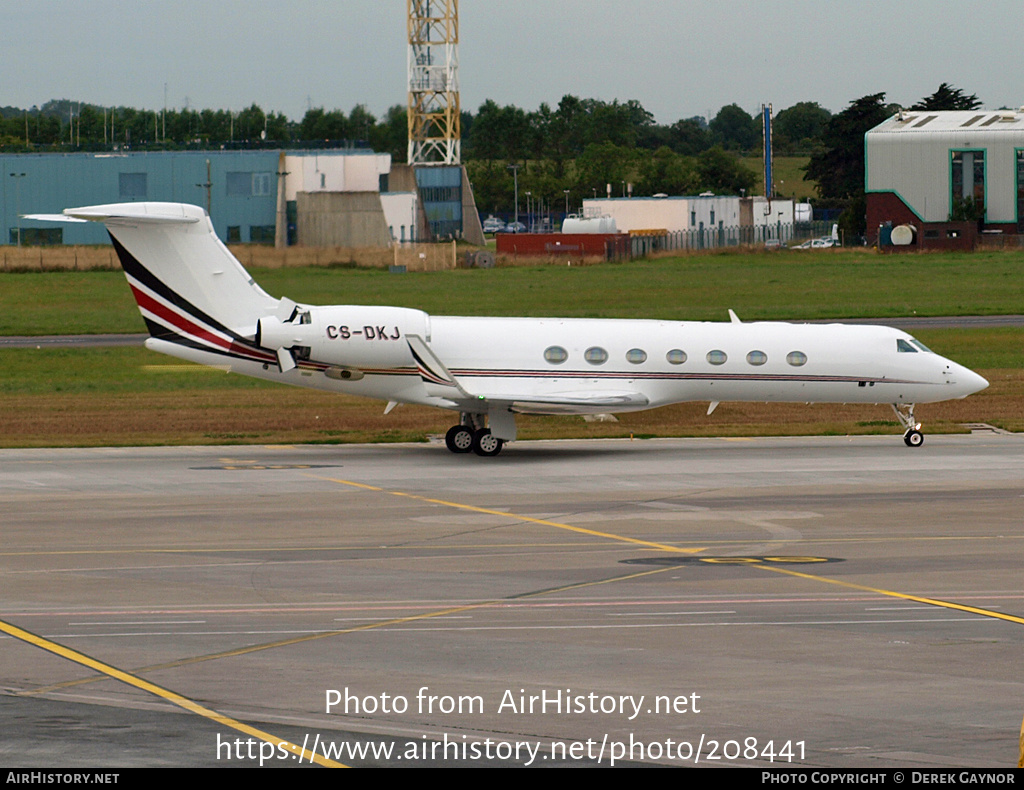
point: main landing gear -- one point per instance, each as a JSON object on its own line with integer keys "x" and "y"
{"x": 912, "y": 436}
{"x": 472, "y": 436}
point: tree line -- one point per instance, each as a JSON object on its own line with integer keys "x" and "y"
{"x": 579, "y": 146}
{"x": 493, "y": 132}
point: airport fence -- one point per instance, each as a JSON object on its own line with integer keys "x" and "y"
{"x": 1000, "y": 241}
{"x": 41, "y": 259}
{"x": 778, "y": 234}
{"x": 414, "y": 257}
{"x": 417, "y": 257}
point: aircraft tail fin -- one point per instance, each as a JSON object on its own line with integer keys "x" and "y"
{"x": 189, "y": 288}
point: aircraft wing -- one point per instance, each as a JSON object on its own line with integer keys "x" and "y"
{"x": 550, "y": 403}
{"x": 440, "y": 383}
{"x": 571, "y": 402}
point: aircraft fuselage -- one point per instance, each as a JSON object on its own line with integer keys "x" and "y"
{"x": 662, "y": 361}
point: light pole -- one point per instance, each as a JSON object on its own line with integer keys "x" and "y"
{"x": 566, "y": 193}
{"x": 515, "y": 181}
{"x": 529, "y": 212}
{"x": 17, "y": 201}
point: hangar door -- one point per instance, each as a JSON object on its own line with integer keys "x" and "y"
{"x": 1020, "y": 190}
{"x": 968, "y": 185}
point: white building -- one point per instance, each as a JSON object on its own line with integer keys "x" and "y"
{"x": 928, "y": 168}
{"x": 694, "y": 213}
{"x": 359, "y": 198}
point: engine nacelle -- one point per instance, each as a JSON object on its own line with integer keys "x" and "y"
{"x": 273, "y": 333}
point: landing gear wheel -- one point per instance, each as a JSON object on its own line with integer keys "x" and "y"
{"x": 459, "y": 439}
{"x": 485, "y": 443}
{"x": 913, "y": 438}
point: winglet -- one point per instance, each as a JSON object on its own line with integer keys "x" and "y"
{"x": 435, "y": 375}
{"x": 734, "y": 318}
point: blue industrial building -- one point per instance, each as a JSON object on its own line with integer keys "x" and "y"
{"x": 252, "y": 196}
{"x": 238, "y": 187}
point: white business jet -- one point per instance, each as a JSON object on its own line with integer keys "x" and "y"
{"x": 201, "y": 305}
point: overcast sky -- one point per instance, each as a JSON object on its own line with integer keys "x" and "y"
{"x": 678, "y": 58}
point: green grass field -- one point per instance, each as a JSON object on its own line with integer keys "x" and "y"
{"x": 791, "y": 284}
{"x": 123, "y": 396}
{"x": 788, "y": 176}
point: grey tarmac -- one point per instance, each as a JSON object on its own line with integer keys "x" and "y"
{"x": 852, "y": 598}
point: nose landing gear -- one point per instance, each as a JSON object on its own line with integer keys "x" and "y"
{"x": 912, "y": 435}
{"x": 913, "y": 438}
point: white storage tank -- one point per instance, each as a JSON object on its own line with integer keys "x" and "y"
{"x": 577, "y": 224}
{"x": 903, "y": 235}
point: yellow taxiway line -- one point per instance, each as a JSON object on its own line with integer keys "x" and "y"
{"x": 516, "y": 517}
{"x": 166, "y": 694}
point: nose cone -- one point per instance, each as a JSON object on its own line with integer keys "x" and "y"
{"x": 965, "y": 382}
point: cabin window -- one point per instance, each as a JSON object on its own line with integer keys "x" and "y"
{"x": 904, "y": 347}
{"x": 595, "y": 355}
{"x": 636, "y": 356}
{"x": 796, "y": 358}
{"x": 717, "y": 357}
{"x": 757, "y": 358}
{"x": 676, "y": 356}
{"x": 556, "y": 355}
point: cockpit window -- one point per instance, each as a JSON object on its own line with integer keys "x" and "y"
{"x": 921, "y": 346}
{"x": 904, "y": 347}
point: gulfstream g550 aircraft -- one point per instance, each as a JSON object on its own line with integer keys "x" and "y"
{"x": 202, "y": 306}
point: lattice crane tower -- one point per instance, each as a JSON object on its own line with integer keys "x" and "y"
{"x": 435, "y": 132}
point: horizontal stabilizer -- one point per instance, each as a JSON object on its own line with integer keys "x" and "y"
{"x": 52, "y": 218}
{"x": 186, "y": 282}
{"x": 138, "y": 214}
{"x": 123, "y": 214}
